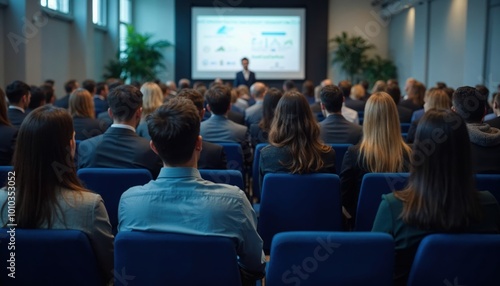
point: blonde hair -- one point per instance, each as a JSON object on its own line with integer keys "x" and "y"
{"x": 382, "y": 147}
{"x": 437, "y": 98}
{"x": 81, "y": 103}
{"x": 357, "y": 91}
{"x": 152, "y": 98}
{"x": 379, "y": 86}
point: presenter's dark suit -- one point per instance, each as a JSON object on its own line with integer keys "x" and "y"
{"x": 86, "y": 128}
{"x": 212, "y": 156}
{"x": 336, "y": 129}
{"x": 118, "y": 148}
{"x": 16, "y": 116}
{"x": 8, "y": 135}
{"x": 62, "y": 102}
{"x": 240, "y": 79}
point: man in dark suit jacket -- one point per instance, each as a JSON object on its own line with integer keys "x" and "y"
{"x": 335, "y": 128}
{"x": 100, "y": 102}
{"x": 245, "y": 76}
{"x": 69, "y": 87}
{"x": 8, "y": 135}
{"x": 19, "y": 96}
{"x": 120, "y": 146}
{"x": 404, "y": 112}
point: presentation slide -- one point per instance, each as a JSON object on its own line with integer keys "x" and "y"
{"x": 272, "y": 39}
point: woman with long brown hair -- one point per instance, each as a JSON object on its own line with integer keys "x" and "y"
{"x": 259, "y": 132}
{"x": 381, "y": 150}
{"x": 8, "y": 134}
{"x": 440, "y": 196}
{"x": 295, "y": 146}
{"x": 81, "y": 108}
{"x": 48, "y": 192}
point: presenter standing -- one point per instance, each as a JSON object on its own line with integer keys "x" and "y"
{"x": 245, "y": 76}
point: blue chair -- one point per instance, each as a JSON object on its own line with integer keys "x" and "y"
{"x": 234, "y": 155}
{"x": 405, "y": 127}
{"x": 230, "y": 177}
{"x": 111, "y": 184}
{"x": 4, "y": 174}
{"x": 457, "y": 259}
{"x": 175, "y": 259}
{"x": 299, "y": 202}
{"x": 340, "y": 150}
{"x": 331, "y": 258}
{"x": 76, "y": 152}
{"x": 373, "y": 186}
{"x": 255, "y": 170}
{"x": 489, "y": 182}
{"x": 49, "y": 257}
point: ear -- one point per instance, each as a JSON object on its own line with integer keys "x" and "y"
{"x": 453, "y": 108}
{"x": 202, "y": 113}
{"x": 208, "y": 108}
{"x": 153, "y": 147}
{"x": 110, "y": 113}
{"x": 138, "y": 113}
{"x": 199, "y": 143}
{"x": 495, "y": 105}
{"x": 322, "y": 106}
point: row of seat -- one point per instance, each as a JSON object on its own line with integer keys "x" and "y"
{"x": 64, "y": 257}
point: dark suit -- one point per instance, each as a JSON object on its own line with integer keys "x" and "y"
{"x": 404, "y": 114}
{"x": 212, "y": 156}
{"x": 336, "y": 129}
{"x": 8, "y": 135}
{"x": 410, "y": 105}
{"x": 100, "y": 105}
{"x": 240, "y": 79}
{"x": 104, "y": 116}
{"x": 118, "y": 148}
{"x": 355, "y": 104}
{"x": 62, "y": 102}
{"x": 258, "y": 135}
{"x": 236, "y": 117}
{"x": 86, "y": 128}
{"x": 495, "y": 122}
{"x": 16, "y": 116}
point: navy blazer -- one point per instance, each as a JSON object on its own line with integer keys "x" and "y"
{"x": 118, "y": 148}
{"x": 16, "y": 116}
{"x": 8, "y": 135}
{"x": 336, "y": 129}
{"x": 212, "y": 156}
{"x": 240, "y": 79}
{"x": 62, "y": 102}
{"x": 86, "y": 128}
{"x": 100, "y": 105}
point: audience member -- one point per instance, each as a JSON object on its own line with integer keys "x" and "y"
{"x": 245, "y": 76}
{"x": 295, "y": 146}
{"x": 404, "y": 113}
{"x": 335, "y": 128}
{"x": 184, "y": 83}
{"x": 120, "y": 146}
{"x": 308, "y": 91}
{"x": 408, "y": 85}
{"x": 316, "y": 108}
{"x": 172, "y": 87}
{"x": 181, "y": 201}
{"x": 259, "y": 131}
{"x": 495, "y": 122}
{"x": 415, "y": 100}
{"x": 379, "y": 86}
{"x": 69, "y": 87}
{"x": 101, "y": 94}
{"x": 381, "y": 149}
{"x": 19, "y": 96}
{"x": 441, "y": 85}
{"x": 212, "y": 156}
{"x": 471, "y": 106}
{"x": 253, "y": 114}
{"x": 37, "y": 98}
{"x": 354, "y": 99}
{"x": 90, "y": 86}
{"x": 234, "y": 99}
{"x": 365, "y": 84}
{"x": 289, "y": 85}
{"x": 81, "y": 108}
{"x": 48, "y": 91}
{"x": 440, "y": 196}
{"x": 152, "y": 98}
{"x": 243, "y": 97}
{"x": 49, "y": 195}
{"x": 8, "y": 132}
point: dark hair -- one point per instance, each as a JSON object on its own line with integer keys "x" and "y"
{"x": 48, "y": 90}
{"x": 469, "y": 103}
{"x": 449, "y": 91}
{"x": 100, "y": 86}
{"x": 4, "y": 119}
{"x": 440, "y": 195}
{"x": 114, "y": 85}
{"x": 483, "y": 90}
{"x": 394, "y": 91}
{"x": 197, "y": 84}
{"x": 289, "y": 84}
{"x": 16, "y": 90}
{"x": 89, "y": 85}
{"x": 271, "y": 100}
{"x": 441, "y": 85}
{"x": 245, "y": 59}
{"x": 218, "y": 98}
{"x": 174, "y": 128}
{"x": 345, "y": 86}
{"x": 50, "y": 82}
{"x": 332, "y": 98}
{"x": 365, "y": 84}
{"x": 308, "y": 88}
{"x": 163, "y": 87}
{"x": 124, "y": 101}
{"x": 193, "y": 95}
{"x": 43, "y": 164}
{"x": 70, "y": 85}
{"x": 37, "y": 97}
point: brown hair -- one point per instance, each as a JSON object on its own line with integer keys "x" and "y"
{"x": 81, "y": 103}
{"x": 4, "y": 119}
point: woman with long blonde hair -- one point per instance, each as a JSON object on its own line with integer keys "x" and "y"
{"x": 81, "y": 108}
{"x": 381, "y": 150}
{"x": 295, "y": 146}
{"x": 152, "y": 98}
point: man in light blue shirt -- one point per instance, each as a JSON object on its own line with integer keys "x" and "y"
{"x": 180, "y": 201}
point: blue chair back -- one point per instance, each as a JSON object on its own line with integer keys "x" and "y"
{"x": 111, "y": 184}
{"x": 76, "y": 153}
{"x": 405, "y": 127}
{"x": 176, "y": 259}
{"x": 340, "y": 150}
{"x": 331, "y": 258}
{"x": 230, "y": 177}
{"x": 4, "y": 174}
{"x": 234, "y": 155}
{"x": 457, "y": 259}
{"x": 489, "y": 182}
{"x": 373, "y": 186}
{"x": 255, "y": 170}
{"x": 49, "y": 257}
{"x": 299, "y": 202}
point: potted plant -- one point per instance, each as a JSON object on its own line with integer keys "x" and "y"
{"x": 378, "y": 68}
{"x": 350, "y": 53}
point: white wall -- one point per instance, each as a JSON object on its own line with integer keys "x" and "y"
{"x": 157, "y": 17}
{"x": 492, "y": 76}
{"x": 401, "y": 48}
{"x": 356, "y": 17}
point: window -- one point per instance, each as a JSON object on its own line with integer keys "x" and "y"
{"x": 99, "y": 12}
{"x": 125, "y": 19}
{"x": 61, "y": 6}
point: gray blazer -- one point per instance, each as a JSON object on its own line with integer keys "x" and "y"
{"x": 254, "y": 113}
{"x": 219, "y": 128}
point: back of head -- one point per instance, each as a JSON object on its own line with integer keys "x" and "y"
{"x": 483, "y": 90}
{"x": 4, "y": 119}
{"x": 89, "y": 85}
{"x": 365, "y": 84}
{"x": 308, "y": 88}
{"x": 436, "y": 98}
{"x": 243, "y": 90}
{"x": 345, "y": 86}
{"x": 70, "y": 85}
{"x": 100, "y": 87}
{"x": 124, "y": 101}
{"x": 43, "y": 161}
{"x": 152, "y": 97}
{"x": 441, "y": 85}
{"x": 114, "y": 85}
{"x": 289, "y": 85}
{"x": 174, "y": 129}
{"x": 184, "y": 83}
{"x": 416, "y": 93}
{"x": 195, "y": 96}
{"x": 379, "y": 86}
{"x": 271, "y": 99}
{"x": 48, "y": 91}
{"x": 469, "y": 104}
{"x": 16, "y": 90}
{"x": 37, "y": 97}
{"x": 219, "y": 99}
{"x": 382, "y": 146}
{"x": 357, "y": 92}
{"x": 332, "y": 98}
{"x": 395, "y": 93}
{"x": 441, "y": 195}
{"x": 257, "y": 90}
{"x": 81, "y": 103}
